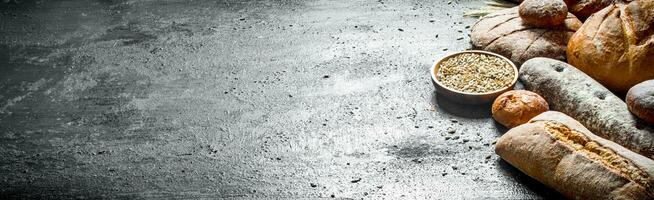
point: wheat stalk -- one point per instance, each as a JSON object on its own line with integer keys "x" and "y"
{"x": 490, "y": 7}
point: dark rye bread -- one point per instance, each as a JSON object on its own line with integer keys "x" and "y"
{"x": 505, "y": 33}
{"x": 574, "y": 93}
{"x": 561, "y": 153}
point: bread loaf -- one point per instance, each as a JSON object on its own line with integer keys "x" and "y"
{"x": 505, "y": 33}
{"x": 543, "y": 13}
{"x": 517, "y": 107}
{"x": 615, "y": 46}
{"x": 558, "y": 151}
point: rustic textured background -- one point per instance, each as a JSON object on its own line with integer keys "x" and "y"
{"x": 250, "y": 99}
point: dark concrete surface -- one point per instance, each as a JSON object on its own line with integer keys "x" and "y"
{"x": 241, "y": 99}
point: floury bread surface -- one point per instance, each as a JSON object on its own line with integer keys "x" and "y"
{"x": 640, "y": 101}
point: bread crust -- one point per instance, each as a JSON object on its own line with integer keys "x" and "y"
{"x": 505, "y": 33}
{"x": 615, "y": 46}
{"x": 558, "y": 151}
{"x": 543, "y": 13}
{"x": 640, "y": 100}
{"x": 585, "y": 8}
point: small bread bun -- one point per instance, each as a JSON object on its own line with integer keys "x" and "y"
{"x": 640, "y": 101}
{"x": 543, "y": 13}
{"x": 517, "y": 107}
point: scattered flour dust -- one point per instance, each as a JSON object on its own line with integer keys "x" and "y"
{"x": 29, "y": 88}
{"x": 342, "y": 85}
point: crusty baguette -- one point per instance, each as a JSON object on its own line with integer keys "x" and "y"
{"x": 558, "y": 151}
{"x": 574, "y": 93}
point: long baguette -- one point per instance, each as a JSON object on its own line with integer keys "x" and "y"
{"x": 574, "y": 93}
{"x": 561, "y": 153}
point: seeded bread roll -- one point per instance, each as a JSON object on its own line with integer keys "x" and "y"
{"x": 558, "y": 151}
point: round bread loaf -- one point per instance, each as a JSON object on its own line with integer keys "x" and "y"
{"x": 543, "y": 13}
{"x": 505, "y": 33}
{"x": 517, "y": 107}
{"x": 615, "y": 46}
{"x": 640, "y": 100}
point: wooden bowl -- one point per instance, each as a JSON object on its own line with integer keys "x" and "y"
{"x": 466, "y": 97}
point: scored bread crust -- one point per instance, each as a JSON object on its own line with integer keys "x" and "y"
{"x": 505, "y": 33}
{"x": 548, "y": 148}
{"x": 615, "y": 45}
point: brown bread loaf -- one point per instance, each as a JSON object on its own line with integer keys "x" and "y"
{"x": 558, "y": 151}
{"x": 543, "y": 13}
{"x": 517, "y": 107}
{"x": 505, "y": 33}
{"x": 615, "y": 46}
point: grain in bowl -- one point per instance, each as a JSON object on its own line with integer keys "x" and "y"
{"x": 475, "y": 73}
{"x": 473, "y": 76}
